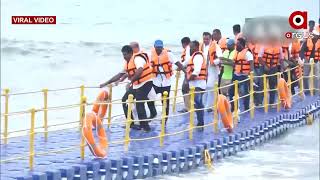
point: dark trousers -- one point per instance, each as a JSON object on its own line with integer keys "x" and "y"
{"x": 151, "y": 104}
{"x": 258, "y": 96}
{"x": 273, "y": 80}
{"x": 162, "y": 90}
{"x": 199, "y": 105}
{"x": 243, "y": 90}
{"x": 139, "y": 94}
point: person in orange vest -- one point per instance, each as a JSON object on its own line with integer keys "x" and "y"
{"x": 258, "y": 71}
{"x": 152, "y": 95}
{"x": 307, "y": 55}
{"x": 137, "y": 69}
{"x": 317, "y": 63}
{"x": 162, "y": 61}
{"x": 293, "y": 61}
{"x": 217, "y": 38}
{"x": 185, "y": 56}
{"x": 208, "y": 97}
{"x": 214, "y": 68}
{"x": 270, "y": 57}
{"x": 242, "y": 66}
{"x": 197, "y": 75}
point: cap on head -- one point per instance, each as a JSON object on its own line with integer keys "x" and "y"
{"x": 158, "y": 44}
{"x": 230, "y": 42}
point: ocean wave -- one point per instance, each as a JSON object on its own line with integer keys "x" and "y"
{"x": 15, "y": 50}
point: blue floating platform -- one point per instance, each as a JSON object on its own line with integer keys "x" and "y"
{"x": 146, "y": 158}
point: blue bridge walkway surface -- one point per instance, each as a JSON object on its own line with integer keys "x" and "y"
{"x": 146, "y": 158}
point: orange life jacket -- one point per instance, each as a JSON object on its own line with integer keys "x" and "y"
{"x": 307, "y": 53}
{"x": 147, "y": 70}
{"x": 255, "y": 53}
{"x": 295, "y": 49}
{"x": 241, "y": 64}
{"x": 212, "y": 52}
{"x": 183, "y": 54}
{"x": 271, "y": 56}
{"x": 317, "y": 51}
{"x": 223, "y": 44}
{"x": 251, "y": 46}
{"x": 163, "y": 61}
{"x": 190, "y": 68}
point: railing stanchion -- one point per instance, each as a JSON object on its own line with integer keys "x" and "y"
{"x": 192, "y": 90}
{"x": 252, "y": 95}
{"x": 311, "y": 78}
{"x": 31, "y": 143}
{"x": 80, "y": 115}
{"x": 6, "y": 117}
{"x": 82, "y": 112}
{"x": 301, "y": 84}
{"x": 265, "y": 93}
{"x": 215, "y": 108}
{"x": 110, "y": 106}
{"x": 235, "y": 103}
{"x": 279, "y": 99}
{"x": 163, "y": 118}
{"x": 128, "y": 123}
{"x": 175, "y": 91}
{"x": 289, "y": 79}
{"x": 45, "y": 113}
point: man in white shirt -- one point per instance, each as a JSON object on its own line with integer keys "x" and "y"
{"x": 162, "y": 61}
{"x": 185, "y": 56}
{"x": 204, "y": 48}
{"x": 243, "y": 65}
{"x": 197, "y": 75}
{"x": 213, "y": 65}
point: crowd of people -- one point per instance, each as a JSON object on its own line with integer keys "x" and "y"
{"x": 215, "y": 60}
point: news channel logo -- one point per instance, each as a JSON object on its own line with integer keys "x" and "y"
{"x": 265, "y": 28}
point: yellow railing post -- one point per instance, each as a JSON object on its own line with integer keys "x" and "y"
{"x": 191, "y": 124}
{"x": 163, "y": 118}
{"x": 6, "y": 117}
{"x": 311, "y": 78}
{"x": 301, "y": 86}
{"x": 45, "y": 113}
{"x": 251, "y": 96}
{"x": 265, "y": 93}
{"x": 129, "y": 121}
{"x": 110, "y": 106}
{"x": 31, "y": 143}
{"x": 235, "y": 102}
{"x": 82, "y": 112}
{"x": 279, "y": 100}
{"x": 80, "y": 115}
{"x": 215, "y": 108}
{"x": 175, "y": 92}
{"x": 289, "y": 79}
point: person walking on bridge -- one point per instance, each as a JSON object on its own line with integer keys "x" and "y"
{"x": 197, "y": 76}
{"x": 162, "y": 61}
{"x": 137, "y": 69}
